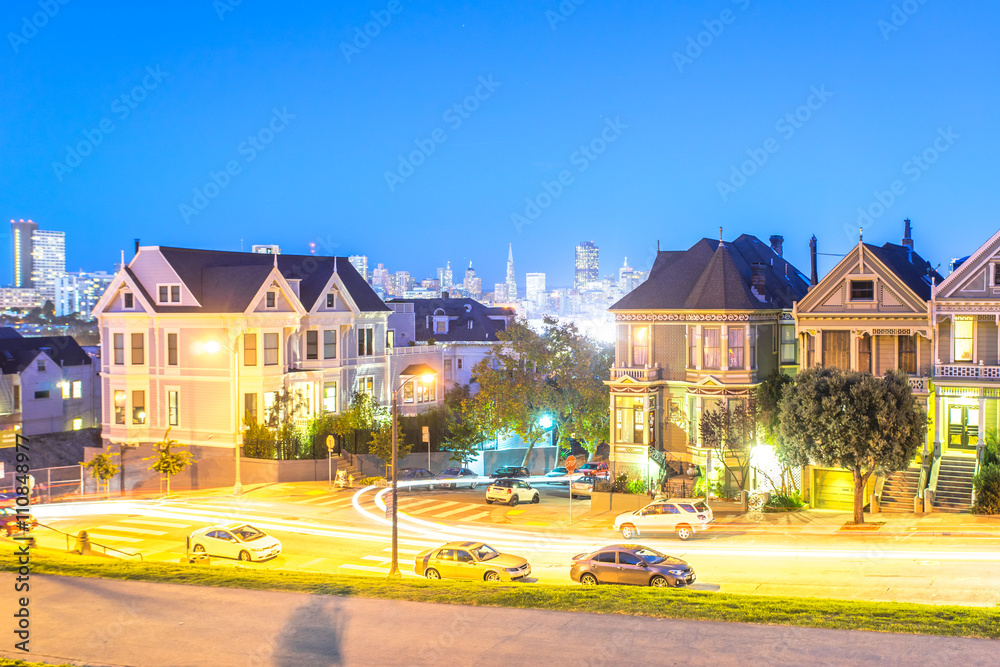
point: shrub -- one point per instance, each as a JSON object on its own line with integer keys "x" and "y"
{"x": 987, "y": 486}
{"x": 371, "y": 481}
{"x": 603, "y": 486}
{"x": 785, "y": 501}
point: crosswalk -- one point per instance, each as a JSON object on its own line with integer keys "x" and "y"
{"x": 426, "y": 508}
{"x": 380, "y": 563}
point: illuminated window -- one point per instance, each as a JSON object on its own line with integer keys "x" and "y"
{"x": 77, "y": 424}
{"x": 173, "y": 407}
{"x": 712, "y": 338}
{"x": 735, "y": 347}
{"x": 138, "y": 407}
{"x": 640, "y": 346}
{"x": 628, "y": 419}
{"x": 865, "y": 354}
{"x": 119, "y": 406}
{"x": 390, "y": 339}
{"x": 330, "y": 396}
{"x": 788, "y": 346}
{"x": 250, "y": 349}
{"x": 66, "y": 390}
{"x": 692, "y": 347}
{"x": 171, "y": 349}
{"x": 366, "y": 385}
{"x": 425, "y": 392}
{"x": 963, "y": 338}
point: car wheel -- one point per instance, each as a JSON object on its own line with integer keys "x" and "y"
{"x": 629, "y": 531}
{"x": 245, "y": 556}
{"x": 431, "y": 573}
{"x": 199, "y": 548}
{"x": 489, "y": 501}
{"x": 536, "y": 499}
{"x": 473, "y": 486}
{"x": 588, "y": 579}
{"x": 572, "y": 497}
{"x": 453, "y": 487}
{"x": 659, "y": 582}
{"x": 492, "y": 576}
{"x": 513, "y": 501}
{"x": 684, "y": 532}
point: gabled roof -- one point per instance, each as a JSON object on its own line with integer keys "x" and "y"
{"x": 226, "y": 282}
{"x": 714, "y": 275}
{"x": 912, "y": 269}
{"x": 16, "y": 354}
{"x": 464, "y": 311}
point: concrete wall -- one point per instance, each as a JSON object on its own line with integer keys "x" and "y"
{"x": 543, "y": 459}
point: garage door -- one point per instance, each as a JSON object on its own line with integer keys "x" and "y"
{"x": 834, "y": 490}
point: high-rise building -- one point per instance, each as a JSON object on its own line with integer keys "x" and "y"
{"x": 626, "y": 276}
{"x": 500, "y": 293}
{"x": 534, "y": 285}
{"x": 445, "y": 277}
{"x": 79, "y": 292}
{"x": 511, "y": 282}
{"x": 21, "y": 233}
{"x": 360, "y": 262}
{"x": 48, "y": 261}
{"x": 266, "y": 249}
{"x": 403, "y": 282}
{"x": 587, "y": 264}
{"x": 381, "y": 278}
{"x": 473, "y": 284}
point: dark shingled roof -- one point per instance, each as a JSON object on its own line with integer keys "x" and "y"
{"x": 483, "y": 327}
{"x": 716, "y": 276}
{"x": 915, "y": 271}
{"x": 16, "y": 354}
{"x": 226, "y": 282}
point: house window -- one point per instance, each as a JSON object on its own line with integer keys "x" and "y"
{"x": 408, "y": 392}
{"x": 752, "y": 335}
{"x": 908, "y": 354}
{"x": 171, "y": 349}
{"x": 139, "y": 407}
{"x": 390, "y": 339}
{"x": 628, "y": 419}
{"x": 692, "y": 347}
{"x": 119, "y": 344}
{"x": 173, "y": 407}
{"x": 175, "y": 294}
{"x": 119, "y": 406}
{"x": 138, "y": 351}
{"x": 440, "y": 326}
{"x": 425, "y": 391}
{"x": 330, "y": 396}
{"x": 271, "y": 300}
{"x": 128, "y": 300}
{"x": 735, "y": 347}
{"x": 963, "y": 338}
{"x": 712, "y": 359}
{"x": 331, "y": 300}
{"x": 77, "y": 388}
{"x": 42, "y": 393}
{"x": 640, "y": 346}
{"x": 459, "y": 363}
{"x": 810, "y": 350}
{"x": 169, "y": 293}
{"x": 77, "y": 424}
{"x": 862, "y": 290}
{"x": 17, "y": 397}
{"x": 366, "y": 384}
{"x": 837, "y": 349}
{"x": 250, "y": 408}
{"x": 366, "y": 341}
{"x": 865, "y": 354}
{"x": 40, "y": 366}
{"x": 66, "y": 389}
{"x": 271, "y": 341}
{"x": 250, "y": 349}
{"x": 788, "y": 347}
{"x": 447, "y": 369}
{"x": 312, "y": 344}
{"x": 330, "y": 344}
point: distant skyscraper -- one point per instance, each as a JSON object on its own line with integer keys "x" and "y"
{"x": 511, "y": 282}
{"x": 381, "y": 278}
{"x": 80, "y": 292}
{"x": 587, "y": 264}
{"x": 500, "y": 293}
{"x": 534, "y": 285}
{"x": 48, "y": 261}
{"x": 403, "y": 283}
{"x": 445, "y": 277}
{"x": 21, "y": 234}
{"x": 265, "y": 250}
{"x": 626, "y": 277}
{"x": 473, "y": 284}
{"x": 360, "y": 262}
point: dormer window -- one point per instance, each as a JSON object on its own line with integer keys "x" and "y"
{"x": 128, "y": 300}
{"x": 168, "y": 293}
{"x": 440, "y": 326}
{"x": 331, "y": 300}
{"x": 862, "y": 290}
{"x": 996, "y": 274}
{"x": 271, "y": 300}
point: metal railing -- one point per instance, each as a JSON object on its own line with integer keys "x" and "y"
{"x": 641, "y": 374}
{"x": 969, "y": 370}
{"x": 92, "y": 543}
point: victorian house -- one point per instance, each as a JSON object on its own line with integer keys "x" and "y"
{"x": 707, "y": 326}
{"x": 870, "y": 313}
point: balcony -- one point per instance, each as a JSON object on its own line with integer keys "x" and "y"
{"x": 918, "y": 385}
{"x": 966, "y": 372}
{"x": 640, "y": 374}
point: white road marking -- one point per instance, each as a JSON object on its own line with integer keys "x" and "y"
{"x": 476, "y": 516}
{"x": 377, "y": 559}
{"x": 413, "y": 503}
{"x": 438, "y": 506}
{"x": 118, "y": 538}
{"x": 129, "y": 529}
{"x": 336, "y": 501}
{"x": 309, "y": 500}
{"x": 458, "y": 511}
{"x": 312, "y": 562}
{"x": 146, "y": 522}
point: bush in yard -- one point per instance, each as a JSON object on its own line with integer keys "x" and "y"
{"x": 987, "y": 486}
{"x": 785, "y": 501}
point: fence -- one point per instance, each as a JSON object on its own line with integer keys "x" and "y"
{"x": 50, "y": 483}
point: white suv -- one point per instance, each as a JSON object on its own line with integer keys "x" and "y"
{"x": 685, "y": 516}
{"x": 512, "y": 492}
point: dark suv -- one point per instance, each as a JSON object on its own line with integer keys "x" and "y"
{"x": 508, "y": 472}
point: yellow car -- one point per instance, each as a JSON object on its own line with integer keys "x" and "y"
{"x": 470, "y": 560}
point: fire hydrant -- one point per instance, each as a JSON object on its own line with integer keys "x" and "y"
{"x": 83, "y": 543}
{"x": 350, "y": 481}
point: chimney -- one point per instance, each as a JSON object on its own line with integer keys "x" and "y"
{"x": 137, "y": 246}
{"x": 757, "y": 277}
{"x": 776, "y": 242}
{"x": 907, "y": 240}
{"x": 812, "y": 261}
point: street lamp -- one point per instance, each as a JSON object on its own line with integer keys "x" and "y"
{"x": 212, "y": 347}
{"x": 426, "y": 374}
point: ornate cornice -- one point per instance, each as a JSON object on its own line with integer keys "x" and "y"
{"x": 697, "y": 317}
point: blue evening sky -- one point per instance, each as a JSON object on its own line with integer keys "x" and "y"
{"x": 184, "y": 86}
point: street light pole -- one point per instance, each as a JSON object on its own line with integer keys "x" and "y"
{"x": 238, "y": 484}
{"x": 394, "y": 570}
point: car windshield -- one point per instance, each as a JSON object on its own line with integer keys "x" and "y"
{"x": 502, "y": 483}
{"x": 450, "y": 471}
{"x": 701, "y": 507}
{"x": 485, "y": 552}
{"x": 247, "y": 533}
{"x": 650, "y": 556}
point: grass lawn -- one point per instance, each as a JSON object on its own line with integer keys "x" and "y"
{"x": 660, "y": 603}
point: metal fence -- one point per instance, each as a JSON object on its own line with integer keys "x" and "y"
{"x": 50, "y": 483}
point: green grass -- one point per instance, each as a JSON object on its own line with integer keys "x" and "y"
{"x": 8, "y": 662}
{"x": 661, "y": 603}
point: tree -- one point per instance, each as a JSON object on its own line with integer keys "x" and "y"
{"x": 463, "y": 432}
{"x": 168, "y": 462}
{"x": 732, "y": 434}
{"x": 769, "y": 394}
{"x": 381, "y": 445}
{"x": 103, "y": 469}
{"x": 852, "y": 420}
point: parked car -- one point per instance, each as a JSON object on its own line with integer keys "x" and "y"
{"x": 508, "y": 472}
{"x": 235, "y": 540}
{"x": 583, "y": 486}
{"x": 459, "y": 476}
{"x": 598, "y": 469}
{"x": 630, "y": 564}
{"x": 562, "y": 475}
{"x": 8, "y": 521}
{"x": 419, "y": 478}
{"x": 470, "y": 560}
{"x": 685, "y": 516}
{"x": 512, "y": 492}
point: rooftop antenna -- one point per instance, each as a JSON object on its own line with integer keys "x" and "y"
{"x": 720, "y": 234}
{"x": 861, "y": 234}
{"x": 123, "y": 259}
{"x": 275, "y": 260}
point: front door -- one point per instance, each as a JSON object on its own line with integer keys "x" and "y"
{"x": 963, "y": 427}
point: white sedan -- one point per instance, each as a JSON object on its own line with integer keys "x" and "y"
{"x": 236, "y": 540}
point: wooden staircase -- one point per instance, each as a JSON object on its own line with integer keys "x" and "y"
{"x": 954, "y": 487}
{"x": 899, "y": 490}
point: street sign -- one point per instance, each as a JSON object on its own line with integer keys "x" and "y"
{"x": 427, "y": 434}
{"x": 570, "y": 463}
{"x": 329, "y": 442}
{"x": 388, "y": 505}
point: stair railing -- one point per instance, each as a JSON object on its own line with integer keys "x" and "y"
{"x": 932, "y": 483}
{"x": 975, "y": 471}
